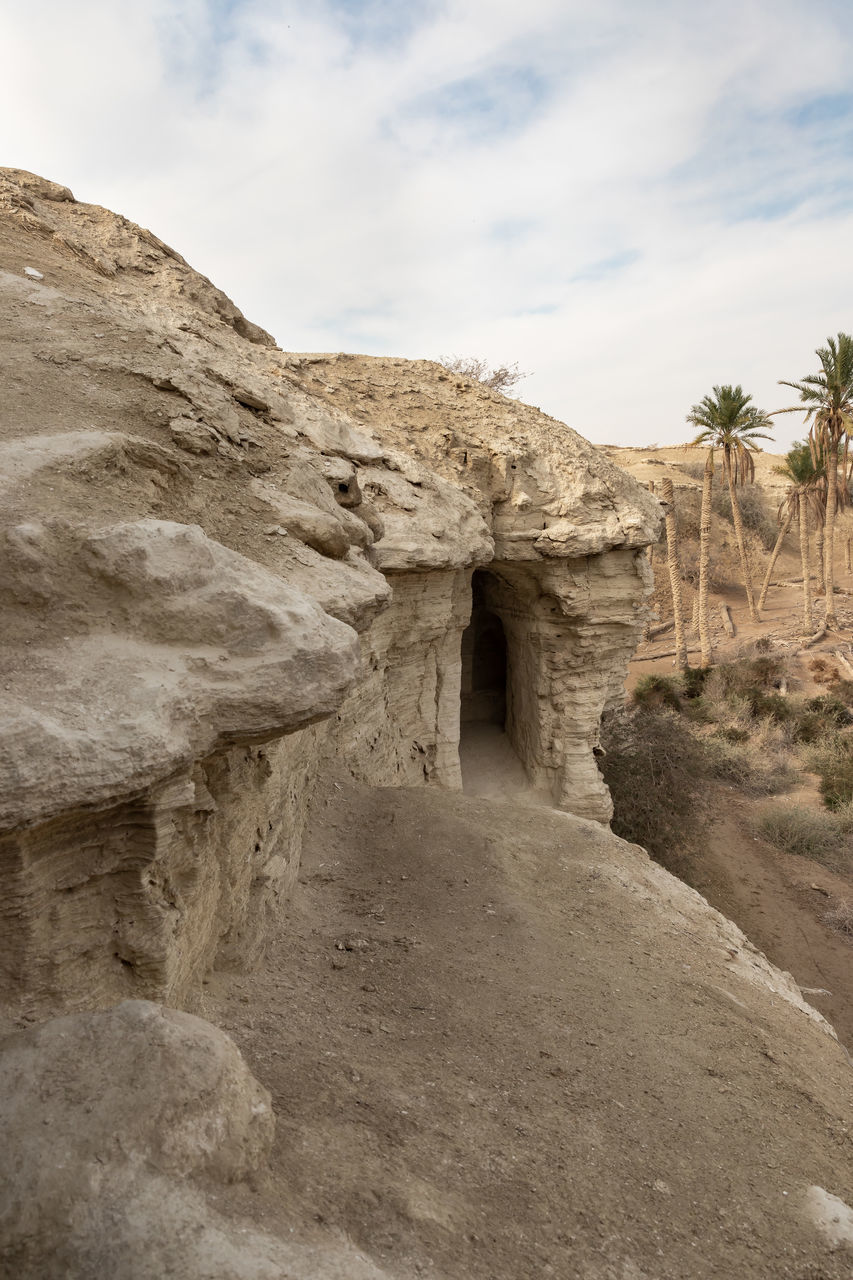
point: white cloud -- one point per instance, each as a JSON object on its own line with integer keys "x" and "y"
{"x": 633, "y": 201}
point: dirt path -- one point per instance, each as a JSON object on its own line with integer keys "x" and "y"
{"x": 503, "y": 1045}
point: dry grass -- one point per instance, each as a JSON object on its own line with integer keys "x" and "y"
{"x": 810, "y": 833}
{"x": 758, "y": 764}
{"x": 831, "y": 758}
{"x": 840, "y": 917}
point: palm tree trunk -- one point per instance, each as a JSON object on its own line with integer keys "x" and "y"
{"x": 674, "y": 573}
{"x": 808, "y": 616}
{"x": 741, "y": 545}
{"x": 829, "y": 535}
{"x": 819, "y": 552}
{"x": 705, "y": 561}
{"x": 789, "y": 520}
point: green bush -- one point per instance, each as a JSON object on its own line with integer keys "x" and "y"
{"x": 809, "y": 727}
{"x": 746, "y": 689}
{"x": 693, "y": 681}
{"x": 746, "y": 676}
{"x": 820, "y": 718}
{"x": 731, "y": 733}
{"x": 769, "y": 705}
{"x": 657, "y": 691}
{"x": 655, "y": 769}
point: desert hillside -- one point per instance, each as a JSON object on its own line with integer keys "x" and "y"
{"x": 319, "y": 957}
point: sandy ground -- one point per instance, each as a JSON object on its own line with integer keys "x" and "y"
{"x": 493, "y": 1055}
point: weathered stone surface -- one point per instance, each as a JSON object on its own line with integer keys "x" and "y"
{"x": 193, "y": 647}
{"x": 141, "y": 898}
{"x": 566, "y": 583}
{"x": 400, "y": 725}
{"x": 114, "y": 1125}
{"x": 570, "y": 628}
{"x": 194, "y": 525}
{"x": 546, "y": 491}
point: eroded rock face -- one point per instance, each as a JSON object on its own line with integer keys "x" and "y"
{"x": 210, "y": 547}
{"x": 95, "y": 1181}
{"x": 143, "y": 897}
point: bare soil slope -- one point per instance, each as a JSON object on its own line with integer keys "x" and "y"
{"x": 502, "y": 1043}
{"x": 779, "y": 901}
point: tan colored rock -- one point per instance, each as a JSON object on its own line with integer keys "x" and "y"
{"x": 195, "y": 524}
{"x": 195, "y": 647}
{"x": 114, "y": 1126}
{"x": 545, "y": 489}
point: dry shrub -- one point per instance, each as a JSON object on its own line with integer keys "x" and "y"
{"x": 831, "y": 758}
{"x": 840, "y": 917}
{"x": 822, "y": 671}
{"x": 695, "y": 470}
{"x": 842, "y": 689}
{"x": 756, "y": 518}
{"x": 743, "y": 695}
{"x": 809, "y": 833}
{"x": 655, "y": 769}
{"x": 502, "y": 377}
{"x": 748, "y": 679}
{"x": 757, "y": 764}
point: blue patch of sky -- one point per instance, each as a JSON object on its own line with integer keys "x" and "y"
{"x": 362, "y": 329}
{"x": 828, "y": 109}
{"x": 605, "y": 267}
{"x": 511, "y": 230}
{"x": 194, "y": 52}
{"x": 765, "y": 165}
{"x": 381, "y": 24}
{"x": 480, "y": 108}
{"x": 543, "y": 309}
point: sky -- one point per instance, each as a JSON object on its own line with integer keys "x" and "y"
{"x": 634, "y": 200}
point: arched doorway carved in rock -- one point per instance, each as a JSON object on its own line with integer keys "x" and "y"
{"x": 490, "y": 765}
{"x": 484, "y": 664}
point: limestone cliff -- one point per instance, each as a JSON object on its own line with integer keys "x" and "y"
{"x": 226, "y": 572}
{"x": 213, "y": 551}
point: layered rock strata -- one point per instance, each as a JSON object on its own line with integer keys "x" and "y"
{"x": 225, "y": 567}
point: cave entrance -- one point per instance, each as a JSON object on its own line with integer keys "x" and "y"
{"x": 484, "y": 664}
{"x": 490, "y": 765}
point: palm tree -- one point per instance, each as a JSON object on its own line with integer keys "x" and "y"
{"x": 729, "y": 423}
{"x": 826, "y": 398}
{"x": 674, "y": 566}
{"x": 705, "y": 644}
{"x": 805, "y": 497}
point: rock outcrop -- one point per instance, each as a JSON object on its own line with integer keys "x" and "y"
{"x": 95, "y": 1182}
{"x": 224, "y": 565}
{"x": 226, "y": 572}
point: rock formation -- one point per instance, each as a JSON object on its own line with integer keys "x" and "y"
{"x": 96, "y": 1183}
{"x": 227, "y": 572}
{"x": 224, "y": 565}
